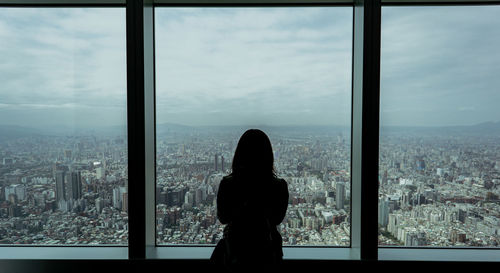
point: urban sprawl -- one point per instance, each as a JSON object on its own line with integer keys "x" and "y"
{"x": 433, "y": 190}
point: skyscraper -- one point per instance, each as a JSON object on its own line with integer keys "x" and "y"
{"x": 99, "y": 204}
{"x": 60, "y": 185}
{"x": 74, "y": 190}
{"x": 340, "y": 195}
{"x": 383, "y": 212}
{"x": 118, "y": 197}
{"x": 125, "y": 201}
{"x": 215, "y": 161}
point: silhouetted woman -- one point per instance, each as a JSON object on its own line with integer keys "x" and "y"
{"x": 252, "y": 201}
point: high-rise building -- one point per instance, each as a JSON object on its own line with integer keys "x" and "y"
{"x": 117, "y": 202}
{"x": 118, "y": 197}
{"x": 18, "y": 190}
{"x": 125, "y": 201}
{"x": 99, "y": 204}
{"x": 383, "y": 212}
{"x": 222, "y": 163}
{"x": 101, "y": 172}
{"x": 340, "y": 195}
{"x": 189, "y": 198}
{"x": 215, "y": 161}
{"x": 74, "y": 189}
{"x": 198, "y": 196}
{"x": 60, "y": 185}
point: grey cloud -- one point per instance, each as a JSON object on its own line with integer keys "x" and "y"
{"x": 259, "y": 65}
{"x": 62, "y": 63}
{"x": 439, "y": 58}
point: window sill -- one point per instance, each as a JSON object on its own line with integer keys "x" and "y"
{"x": 290, "y": 253}
{"x": 426, "y": 254}
{"x": 202, "y": 252}
{"x": 63, "y": 253}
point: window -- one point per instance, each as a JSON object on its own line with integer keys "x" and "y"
{"x": 221, "y": 71}
{"x": 63, "y": 139}
{"x": 439, "y": 145}
{"x": 63, "y": 113}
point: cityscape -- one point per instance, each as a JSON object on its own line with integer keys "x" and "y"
{"x": 436, "y": 188}
{"x": 63, "y": 190}
{"x": 440, "y": 189}
{"x": 315, "y": 163}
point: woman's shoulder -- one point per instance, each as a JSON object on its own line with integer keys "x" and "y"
{"x": 231, "y": 177}
{"x": 281, "y": 182}
{"x": 281, "y": 187}
{"x": 227, "y": 179}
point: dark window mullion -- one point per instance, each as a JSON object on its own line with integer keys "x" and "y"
{"x": 370, "y": 129}
{"x": 136, "y": 128}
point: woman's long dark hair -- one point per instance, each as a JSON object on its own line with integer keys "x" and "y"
{"x": 254, "y": 155}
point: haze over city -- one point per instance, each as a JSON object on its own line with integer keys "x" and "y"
{"x": 284, "y": 66}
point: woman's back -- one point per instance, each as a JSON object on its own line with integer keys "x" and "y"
{"x": 252, "y": 207}
{"x": 249, "y": 199}
{"x": 251, "y": 202}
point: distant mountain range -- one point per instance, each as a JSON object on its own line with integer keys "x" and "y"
{"x": 14, "y": 131}
{"x": 169, "y": 128}
{"x": 485, "y": 128}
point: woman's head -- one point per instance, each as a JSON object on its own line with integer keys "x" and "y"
{"x": 254, "y": 154}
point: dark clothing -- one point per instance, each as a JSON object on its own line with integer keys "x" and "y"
{"x": 252, "y": 208}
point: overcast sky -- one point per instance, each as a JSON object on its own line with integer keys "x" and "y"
{"x": 440, "y": 66}
{"x": 254, "y": 66}
{"x": 62, "y": 67}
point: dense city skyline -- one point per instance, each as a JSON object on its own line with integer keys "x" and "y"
{"x": 435, "y": 189}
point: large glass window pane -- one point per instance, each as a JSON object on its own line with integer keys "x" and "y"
{"x": 440, "y": 131}
{"x": 63, "y": 139}
{"x": 221, "y": 71}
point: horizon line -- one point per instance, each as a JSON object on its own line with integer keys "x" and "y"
{"x": 246, "y": 125}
